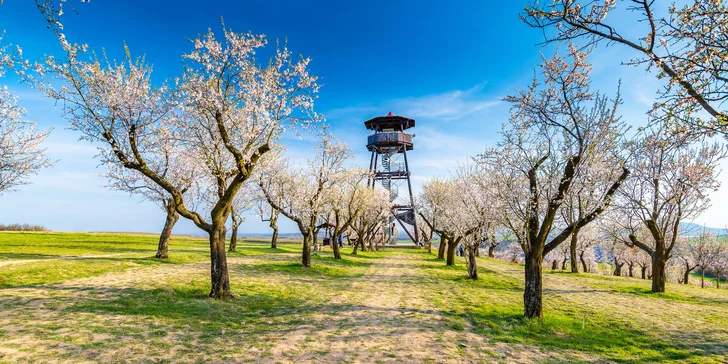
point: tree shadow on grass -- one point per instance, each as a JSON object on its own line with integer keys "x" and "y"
{"x": 295, "y": 269}
{"x": 606, "y": 339}
{"x": 259, "y": 309}
{"x": 271, "y": 311}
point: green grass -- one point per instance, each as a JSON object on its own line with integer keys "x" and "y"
{"x": 337, "y": 310}
{"x": 63, "y": 256}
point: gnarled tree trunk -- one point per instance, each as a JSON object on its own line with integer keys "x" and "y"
{"x": 274, "y": 225}
{"x": 688, "y": 270}
{"x": 234, "y": 238}
{"x": 441, "y": 248}
{"x": 218, "y": 262}
{"x": 659, "y": 264}
{"x": 572, "y": 251}
{"x": 171, "y": 220}
{"x": 274, "y": 239}
{"x": 451, "y": 245}
{"x": 491, "y": 251}
{"x": 356, "y": 244}
{"x": 472, "y": 263}
{"x": 584, "y": 267}
{"x": 315, "y": 240}
{"x": 532, "y": 295}
{"x": 617, "y": 268}
{"x": 335, "y": 247}
{"x": 306, "y": 254}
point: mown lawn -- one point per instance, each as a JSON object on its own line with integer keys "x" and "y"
{"x": 102, "y": 297}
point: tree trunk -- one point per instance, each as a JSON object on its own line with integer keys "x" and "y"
{"x": 477, "y": 250}
{"x": 491, "y": 251}
{"x": 572, "y": 251}
{"x": 218, "y": 262}
{"x": 315, "y": 240}
{"x": 617, "y": 269}
{"x": 563, "y": 264}
{"x": 630, "y": 265}
{"x": 451, "y": 245}
{"x": 702, "y": 277}
{"x": 233, "y": 239}
{"x": 335, "y": 247}
{"x": 658, "y": 273}
{"x": 686, "y": 277}
{"x": 554, "y": 264}
{"x": 306, "y": 254}
{"x": 585, "y": 269}
{"x": 717, "y": 279}
{"x": 274, "y": 225}
{"x": 441, "y": 248}
{"x": 644, "y": 272}
{"x": 171, "y": 220}
{"x": 472, "y": 264}
{"x": 356, "y": 244}
{"x": 274, "y": 239}
{"x": 532, "y": 300}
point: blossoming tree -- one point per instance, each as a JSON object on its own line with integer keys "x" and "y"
{"x": 21, "y": 154}
{"x": 372, "y": 218}
{"x": 687, "y": 44}
{"x": 669, "y": 185}
{"x": 300, "y": 194}
{"x": 224, "y": 112}
{"x": 558, "y": 126}
{"x": 346, "y": 201}
{"x": 171, "y": 163}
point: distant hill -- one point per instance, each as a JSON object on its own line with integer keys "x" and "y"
{"x": 693, "y": 229}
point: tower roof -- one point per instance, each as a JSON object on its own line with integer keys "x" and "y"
{"x": 389, "y": 122}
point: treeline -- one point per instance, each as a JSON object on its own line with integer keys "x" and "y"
{"x": 22, "y": 227}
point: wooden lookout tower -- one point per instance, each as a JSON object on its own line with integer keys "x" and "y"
{"x": 389, "y": 146}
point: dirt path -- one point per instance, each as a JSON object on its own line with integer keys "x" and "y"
{"x": 382, "y": 317}
{"x": 21, "y": 261}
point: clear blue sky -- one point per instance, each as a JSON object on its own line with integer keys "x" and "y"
{"x": 444, "y": 63}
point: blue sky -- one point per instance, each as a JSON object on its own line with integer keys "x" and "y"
{"x": 445, "y": 64}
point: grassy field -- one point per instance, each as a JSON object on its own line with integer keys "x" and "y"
{"x": 101, "y": 297}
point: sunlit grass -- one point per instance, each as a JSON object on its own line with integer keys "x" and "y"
{"x": 165, "y": 309}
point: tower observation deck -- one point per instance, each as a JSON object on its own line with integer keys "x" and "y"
{"x": 389, "y": 146}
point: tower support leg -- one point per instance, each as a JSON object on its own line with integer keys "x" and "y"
{"x": 412, "y": 199}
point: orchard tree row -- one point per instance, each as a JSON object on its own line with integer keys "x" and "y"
{"x": 210, "y": 143}
{"x": 567, "y": 164}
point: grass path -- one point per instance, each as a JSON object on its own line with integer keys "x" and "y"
{"x": 379, "y": 318}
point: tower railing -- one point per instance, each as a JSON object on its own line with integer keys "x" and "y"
{"x": 389, "y": 138}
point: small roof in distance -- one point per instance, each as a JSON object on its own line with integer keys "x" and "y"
{"x": 389, "y": 122}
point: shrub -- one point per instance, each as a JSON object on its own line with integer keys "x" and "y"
{"x": 22, "y": 227}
